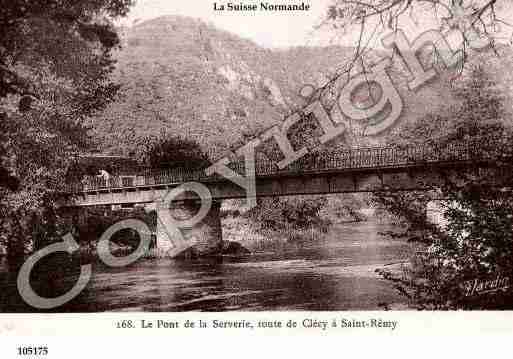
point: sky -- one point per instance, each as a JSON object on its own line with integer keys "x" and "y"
{"x": 269, "y": 29}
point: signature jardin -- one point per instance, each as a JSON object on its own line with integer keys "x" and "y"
{"x": 479, "y": 286}
{"x": 377, "y": 118}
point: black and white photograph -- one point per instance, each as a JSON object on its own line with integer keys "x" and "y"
{"x": 212, "y": 156}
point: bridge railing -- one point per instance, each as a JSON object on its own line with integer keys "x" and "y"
{"x": 377, "y": 157}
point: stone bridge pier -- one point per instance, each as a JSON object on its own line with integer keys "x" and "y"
{"x": 201, "y": 239}
{"x": 434, "y": 212}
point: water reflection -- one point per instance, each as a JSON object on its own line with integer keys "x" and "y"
{"x": 332, "y": 273}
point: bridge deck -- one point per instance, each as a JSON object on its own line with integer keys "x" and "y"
{"x": 372, "y": 159}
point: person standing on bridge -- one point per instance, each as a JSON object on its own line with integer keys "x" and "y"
{"x": 104, "y": 176}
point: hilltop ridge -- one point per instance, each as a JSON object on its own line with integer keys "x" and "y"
{"x": 192, "y": 79}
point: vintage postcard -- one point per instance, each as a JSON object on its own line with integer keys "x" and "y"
{"x": 297, "y": 167}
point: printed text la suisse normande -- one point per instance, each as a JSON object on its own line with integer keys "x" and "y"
{"x": 262, "y": 6}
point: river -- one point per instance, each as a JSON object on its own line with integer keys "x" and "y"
{"x": 335, "y": 272}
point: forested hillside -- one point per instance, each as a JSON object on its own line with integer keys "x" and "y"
{"x": 203, "y": 83}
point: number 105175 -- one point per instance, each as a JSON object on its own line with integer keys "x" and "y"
{"x": 33, "y": 351}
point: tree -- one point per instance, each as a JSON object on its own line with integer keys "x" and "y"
{"x": 477, "y": 242}
{"x": 55, "y": 61}
{"x": 72, "y": 39}
{"x": 473, "y": 18}
{"x": 288, "y": 214}
{"x": 479, "y": 23}
{"x": 167, "y": 151}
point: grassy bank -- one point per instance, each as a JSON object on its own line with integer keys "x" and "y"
{"x": 259, "y": 238}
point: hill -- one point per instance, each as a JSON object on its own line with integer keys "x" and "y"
{"x": 192, "y": 79}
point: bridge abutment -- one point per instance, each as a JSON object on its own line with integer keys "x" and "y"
{"x": 201, "y": 239}
{"x": 435, "y": 213}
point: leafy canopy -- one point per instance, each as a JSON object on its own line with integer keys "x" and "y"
{"x": 55, "y": 61}
{"x": 476, "y": 243}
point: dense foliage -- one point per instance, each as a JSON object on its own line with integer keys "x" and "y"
{"x": 283, "y": 214}
{"x": 167, "y": 151}
{"x": 88, "y": 225}
{"x": 55, "y": 61}
{"x": 476, "y": 243}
